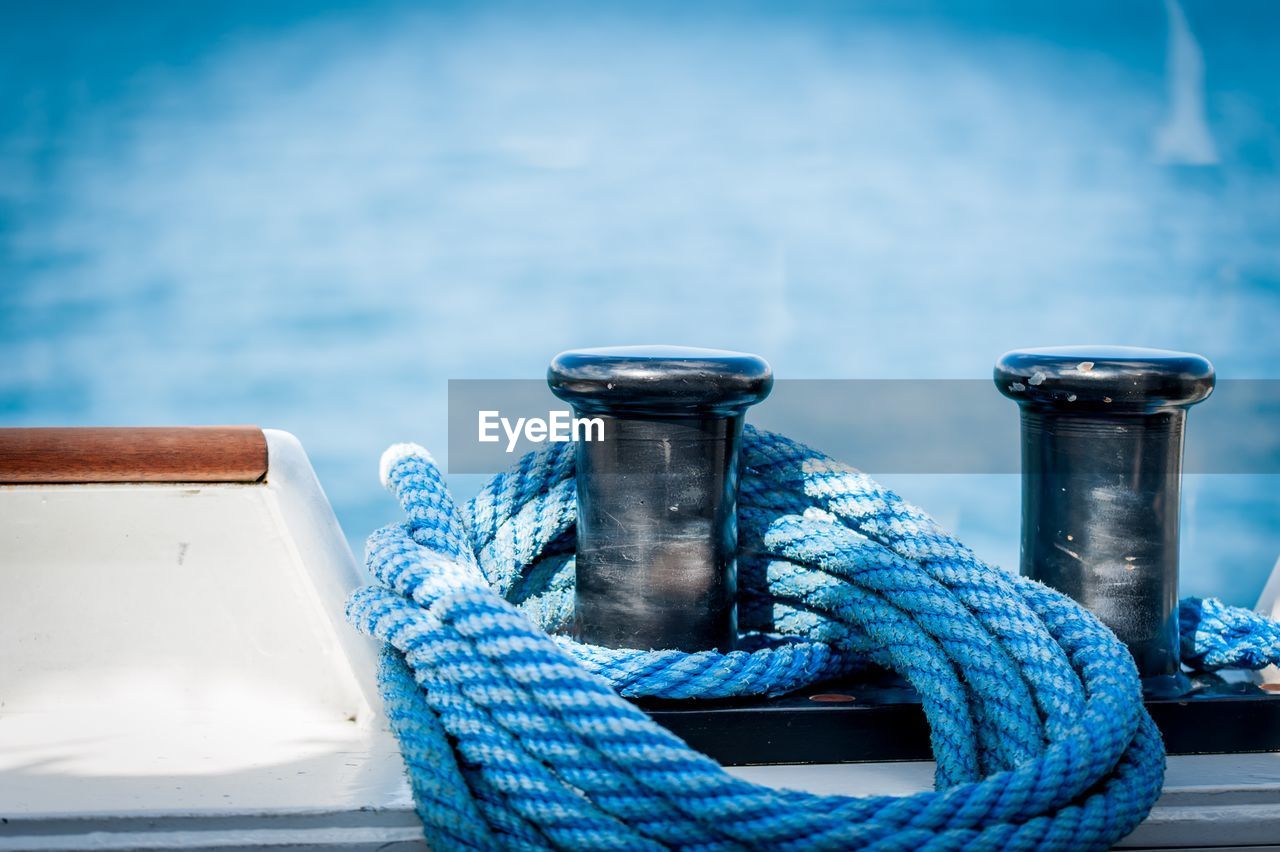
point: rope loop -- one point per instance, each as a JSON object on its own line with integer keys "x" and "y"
{"x": 515, "y": 736}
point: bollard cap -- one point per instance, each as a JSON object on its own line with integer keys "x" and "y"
{"x": 1120, "y": 379}
{"x": 659, "y": 380}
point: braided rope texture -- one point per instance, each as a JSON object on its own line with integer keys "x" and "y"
{"x": 1217, "y": 636}
{"x": 514, "y": 737}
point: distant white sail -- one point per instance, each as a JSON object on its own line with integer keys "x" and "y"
{"x": 1184, "y": 138}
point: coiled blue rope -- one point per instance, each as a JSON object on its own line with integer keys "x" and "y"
{"x": 514, "y": 737}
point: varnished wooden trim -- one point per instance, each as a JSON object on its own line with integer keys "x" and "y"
{"x": 133, "y": 454}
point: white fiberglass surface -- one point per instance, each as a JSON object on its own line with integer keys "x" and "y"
{"x": 165, "y": 648}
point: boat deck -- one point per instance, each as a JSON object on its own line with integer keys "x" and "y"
{"x": 175, "y": 673}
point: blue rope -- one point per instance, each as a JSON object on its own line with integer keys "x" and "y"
{"x": 517, "y": 738}
{"x": 1216, "y": 636}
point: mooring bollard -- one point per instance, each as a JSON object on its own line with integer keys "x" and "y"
{"x": 1102, "y": 433}
{"x": 657, "y": 496}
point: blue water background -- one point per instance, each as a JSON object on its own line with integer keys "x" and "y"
{"x": 312, "y": 215}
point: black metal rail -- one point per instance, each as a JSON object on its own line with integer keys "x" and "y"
{"x": 882, "y": 720}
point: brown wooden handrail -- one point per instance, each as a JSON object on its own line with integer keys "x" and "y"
{"x": 133, "y": 454}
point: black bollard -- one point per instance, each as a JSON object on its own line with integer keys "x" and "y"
{"x": 1102, "y": 433}
{"x": 657, "y": 496}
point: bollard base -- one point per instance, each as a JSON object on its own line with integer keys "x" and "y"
{"x": 1174, "y": 685}
{"x": 881, "y": 719}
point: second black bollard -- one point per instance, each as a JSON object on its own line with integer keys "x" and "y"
{"x": 657, "y": 497}
{"x": 1102, "y": 435}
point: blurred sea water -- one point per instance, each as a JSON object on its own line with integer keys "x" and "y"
{"x": 312, "y": 215}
